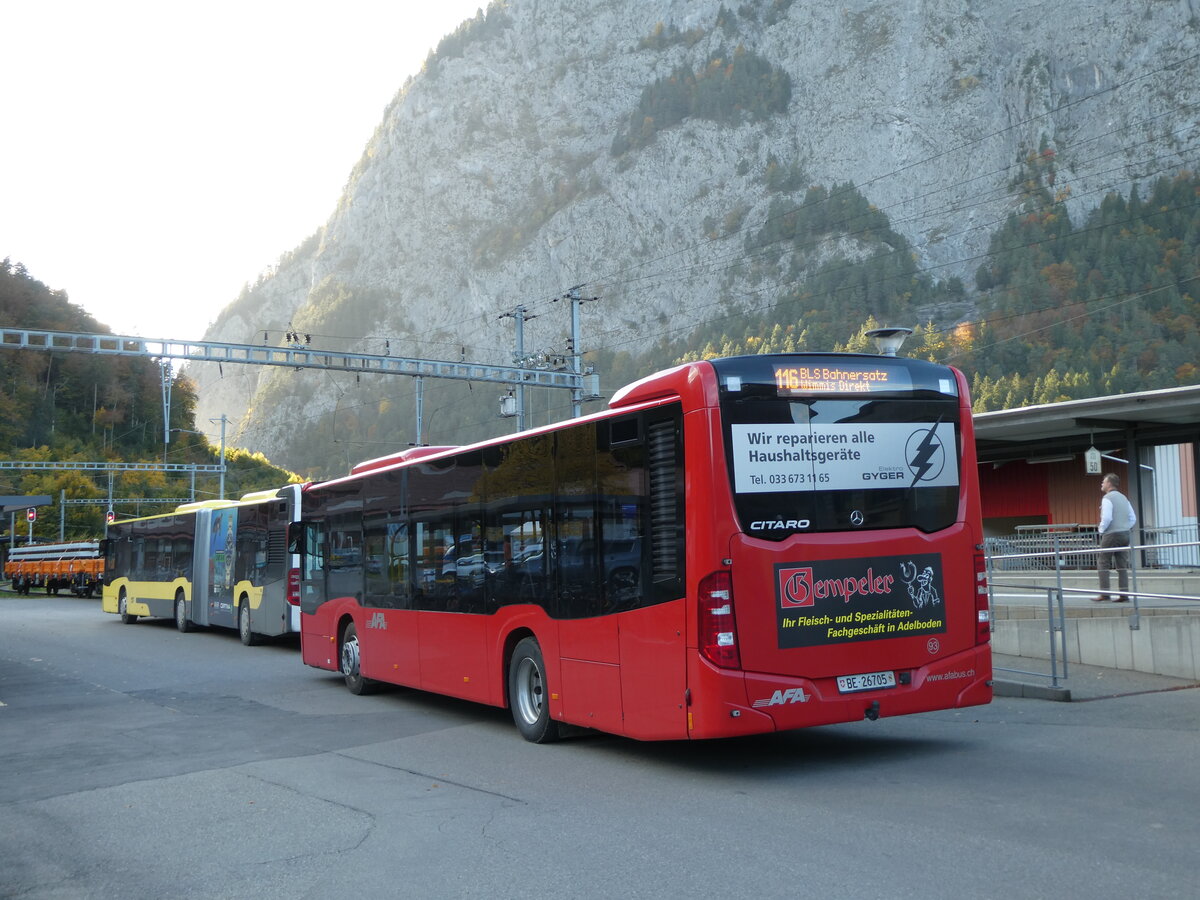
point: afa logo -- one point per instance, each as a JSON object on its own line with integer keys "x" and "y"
{"x": 795, "y": 586}
{"x": 780, "y": 698}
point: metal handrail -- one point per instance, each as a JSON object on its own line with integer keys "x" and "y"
{"x": 1057, "y": 627}
{"x": 1050, "y": 554}
{"x": 1061, "y": 630}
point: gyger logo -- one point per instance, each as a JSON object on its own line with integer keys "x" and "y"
{"x": 925, "y": 454}
{"x": 795, "y": 586}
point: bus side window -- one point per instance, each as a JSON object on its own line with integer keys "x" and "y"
{"x": 344, "y": 562}
{"x": 622, "y": 479}
{"x": 575, "y": 530}
{"x": 385, "y": 540}
{"x": 470, "y": 563}
{"x": 251, "y": 546}
{"x": 519, "y": 575}
{"x": 519, "y": 487}
{"x": 434, "y": 565}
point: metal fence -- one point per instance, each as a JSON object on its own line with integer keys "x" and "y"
{"x": 1039, "y": 548}
{"x": 1174, "y": 547}
{"x": 1034, "y": 548}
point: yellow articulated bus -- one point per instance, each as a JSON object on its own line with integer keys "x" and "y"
{"x": 213, "y": 563}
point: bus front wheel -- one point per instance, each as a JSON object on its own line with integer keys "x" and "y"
{"x": 528, "y": 694}
{"x": 351, "y": 663}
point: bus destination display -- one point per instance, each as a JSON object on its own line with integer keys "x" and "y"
{"x": 796, "y": 381}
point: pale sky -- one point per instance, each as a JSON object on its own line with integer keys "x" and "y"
{"x": 158, "y": 155}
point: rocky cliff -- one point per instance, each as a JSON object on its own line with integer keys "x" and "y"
{"x": 637, "y": 147}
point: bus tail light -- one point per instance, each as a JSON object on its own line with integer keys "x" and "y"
{"x": 718, "y": 630}
{"x": 293, "y": 587}
{"x": 983, "y": 614}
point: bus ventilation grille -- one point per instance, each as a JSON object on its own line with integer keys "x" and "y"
{"x": 664, "y": 517}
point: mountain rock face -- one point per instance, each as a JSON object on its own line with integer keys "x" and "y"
{"x": 634, "y": 147}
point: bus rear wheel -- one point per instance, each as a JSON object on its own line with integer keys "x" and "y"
{"x": 350, "y": 660}
{"x": 122, "y": 608}
{"x": 528, "y": 695}
{"x": 245, "y": 631}
{"x": 181, "y": 617}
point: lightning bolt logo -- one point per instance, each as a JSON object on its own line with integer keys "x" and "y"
{"x": 921, "y": 461}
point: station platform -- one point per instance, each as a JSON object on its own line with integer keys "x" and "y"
{"x": 1111, "y": 648}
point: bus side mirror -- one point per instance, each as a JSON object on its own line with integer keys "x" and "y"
{"x": 297, "y": 533}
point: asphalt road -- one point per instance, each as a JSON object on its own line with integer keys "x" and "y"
{"x": 136, "y": 762}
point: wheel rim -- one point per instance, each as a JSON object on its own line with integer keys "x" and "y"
{"x": 529, "y": 690}
{"x": 180, "y": 613}
{"x": 122, "y": 603}
{"x": 244, "y": 621}
{"x": 350, "y": 657}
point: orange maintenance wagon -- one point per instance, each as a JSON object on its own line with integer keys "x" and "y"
{"x": 77, "y": 567}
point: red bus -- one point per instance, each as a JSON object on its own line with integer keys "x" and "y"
{"x": 735, "y": 546}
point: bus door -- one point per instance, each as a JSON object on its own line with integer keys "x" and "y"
{"x": 201, "y": 574}
{"x": 310, "y": 541}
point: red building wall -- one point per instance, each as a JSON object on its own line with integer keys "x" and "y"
{"x": 1021, "y": 493}
{"x": 1075, "y": 495}
{"x": 1015, "y": 490}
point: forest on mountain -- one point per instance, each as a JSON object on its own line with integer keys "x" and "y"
{"x": 1061, "y": 310}
{"x": 78, "y": 407}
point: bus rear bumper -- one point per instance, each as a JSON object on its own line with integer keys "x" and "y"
{"x": 727, "y": 703}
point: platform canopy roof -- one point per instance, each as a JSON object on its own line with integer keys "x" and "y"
{"x": 1120, "y": 421}
{"x": 11, "y": 504}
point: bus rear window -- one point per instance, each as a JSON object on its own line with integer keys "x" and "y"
{"x": 831, "y": 453}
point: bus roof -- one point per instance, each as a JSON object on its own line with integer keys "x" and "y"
{"x": 382, "y": 462}
{"x": 203, "y": 504}
{"x": 408, "y": 457}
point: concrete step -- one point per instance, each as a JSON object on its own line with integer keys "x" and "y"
{"x": 1158, "y": 642}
